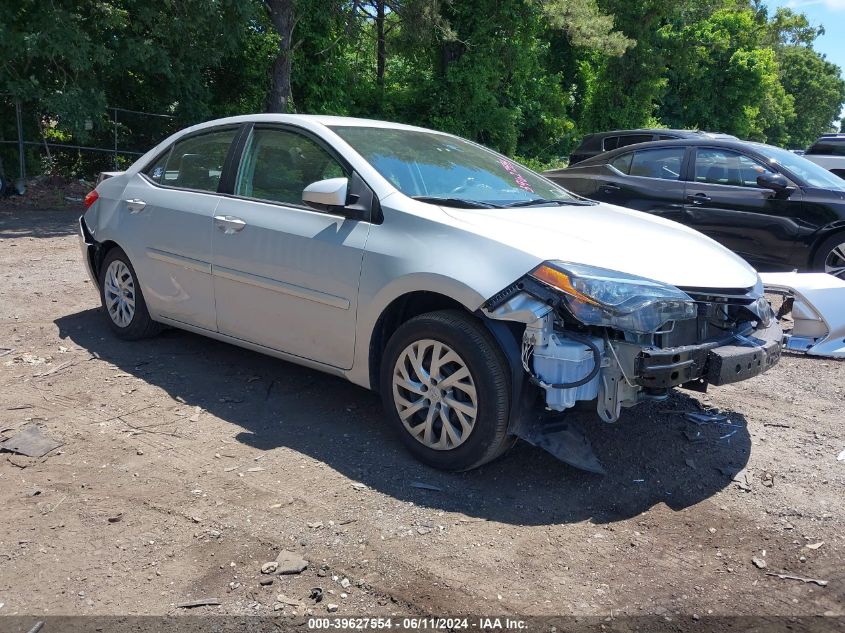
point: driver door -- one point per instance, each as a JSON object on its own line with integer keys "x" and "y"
{"x": 286, "y": 275}
{"x": 724, "y": 201}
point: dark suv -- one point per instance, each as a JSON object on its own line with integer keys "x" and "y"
{"x": 595, "y": 144}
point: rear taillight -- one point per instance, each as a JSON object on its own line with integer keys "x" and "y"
{"x": 91, "y": 198}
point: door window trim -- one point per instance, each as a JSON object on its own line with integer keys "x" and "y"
{"x": 681, "y": 169}
{"x": 239, "y": 129}
{"x": 691, "y": 171}
{"x": 320, "y": 142}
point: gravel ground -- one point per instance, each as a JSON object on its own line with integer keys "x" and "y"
{"x": 187, "y": 464}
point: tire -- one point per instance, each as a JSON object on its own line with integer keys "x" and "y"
{"x": 131, "y": 321}
{"x": 457, "y": 440}
{"x": 830, "y": 256}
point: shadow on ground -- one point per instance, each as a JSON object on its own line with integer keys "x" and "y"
{"x": 17, "y": 222}
{"x": 652, "y": 454}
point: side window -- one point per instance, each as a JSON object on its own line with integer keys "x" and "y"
{"x": 632, "y": 139}
{"x": 278, "y": 164}
{"x": 611, "y": 142}
{"x": 623, "y": 163}
{"x": 197, "y": 162}
{"x": 663, "y": 163}
{"x": 724, "y": 167}
{"x": 155, "y": 172}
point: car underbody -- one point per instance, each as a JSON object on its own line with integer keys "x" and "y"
{"x": 732, "y": 338}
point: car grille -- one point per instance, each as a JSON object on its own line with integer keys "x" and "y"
{"x": 718, "y": 316}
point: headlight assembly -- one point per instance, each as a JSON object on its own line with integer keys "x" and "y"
{"x": 597, "y": 296}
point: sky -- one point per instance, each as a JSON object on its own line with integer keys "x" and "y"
{"x": 831, "y": 15}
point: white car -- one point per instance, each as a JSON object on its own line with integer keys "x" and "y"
{"x": 471, "y": 292}
{"x": 829, "y": 152}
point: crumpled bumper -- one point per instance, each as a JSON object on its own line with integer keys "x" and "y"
{"x": 711, "y": 363}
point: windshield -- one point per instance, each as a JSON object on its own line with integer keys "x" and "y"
{"x": 443, "y": 169}
{"x": 811, "y": 174}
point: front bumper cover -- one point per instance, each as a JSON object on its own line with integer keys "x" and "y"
{"x": 715, "y": 363}
{"x": 87, "y": 244}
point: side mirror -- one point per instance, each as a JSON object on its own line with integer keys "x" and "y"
{"x": 326, "y": 195}
{"x": 776, "y": 182}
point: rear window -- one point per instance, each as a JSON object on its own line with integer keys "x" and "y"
{"x": 622, "y": 163}
{"x": 195, "y": 162}
{"x": 609, "y": 143}
{"x": 663, "y": 163}
{"x": 633, "y": 139}
{"x": 829, "y": 147}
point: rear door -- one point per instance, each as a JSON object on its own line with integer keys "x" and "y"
{"x": 724, "y": 202}
{"x": 646, "y": 180}
{"x": 286, "y": 275}
{"x": 167, "y": 215}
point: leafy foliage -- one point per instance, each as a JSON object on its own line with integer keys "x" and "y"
{"x": 528, "y": 77}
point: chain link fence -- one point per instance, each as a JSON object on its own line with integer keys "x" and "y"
{"x": 33, "y": 144}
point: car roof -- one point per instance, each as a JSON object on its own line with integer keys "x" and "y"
{"x": 679, "y": 133}
{"x": 306, "y": 120}
{"x": 827, "y": 138}
{"x": 726, "y": 143}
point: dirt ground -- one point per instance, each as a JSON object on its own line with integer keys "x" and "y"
{"x": 188, "y": 463}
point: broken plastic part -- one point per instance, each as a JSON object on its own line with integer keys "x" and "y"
{"x": 818, "y": 311}
{"x": 566, "y": 441}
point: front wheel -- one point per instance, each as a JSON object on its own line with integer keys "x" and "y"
{"x": 830, "y": 256}
{"x": 123, "y": 300}
{"x": 445, "y": 386}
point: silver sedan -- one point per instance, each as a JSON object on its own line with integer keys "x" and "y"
{"x": 472, "y": 293}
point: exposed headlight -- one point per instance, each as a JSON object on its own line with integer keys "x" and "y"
{"x": 597, "y": 296}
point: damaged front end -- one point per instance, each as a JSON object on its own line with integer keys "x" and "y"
{"x": 611, "y": 339}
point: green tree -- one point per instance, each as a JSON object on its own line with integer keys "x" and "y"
{"x": 49, "y": 55}
{"x": 721, "y": 77}
{"x": 71, "y": 59}
{"x": 818, "y": 89}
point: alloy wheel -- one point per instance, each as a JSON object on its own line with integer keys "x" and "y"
{"x": 834, "y": 263}
{"x": 434, "y": 394}
{"x": 119, "y": 293}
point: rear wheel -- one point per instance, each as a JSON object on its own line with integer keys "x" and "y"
{"x": 123, "y": 300}
{"x": 830, "y": 256}
{"x": 445, "y": 386}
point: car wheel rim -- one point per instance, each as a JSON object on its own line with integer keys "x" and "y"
{"x": 834, "y": 263}
{"x": 434, "y": 394}
{"x": 119, "y": 292}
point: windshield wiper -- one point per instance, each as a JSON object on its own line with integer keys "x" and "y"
{"x": 539, "y": 201}
{"x": 459, "y": 203}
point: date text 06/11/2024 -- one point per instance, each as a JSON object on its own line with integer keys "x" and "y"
{"x": 417, "y": 624}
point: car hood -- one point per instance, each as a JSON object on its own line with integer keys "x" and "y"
{"x": 826, "y": 195}
{"x": 616, "y": 238}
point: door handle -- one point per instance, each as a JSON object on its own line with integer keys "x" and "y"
{"x": 135, "y": 205}
{"x": 229, "y": 224}
{"x": 698, "y": 198}
{"x": 610, "y": 188}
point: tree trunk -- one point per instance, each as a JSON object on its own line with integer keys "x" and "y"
{"x": 282, "y": 17}
{"x": 381, "y": 48}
